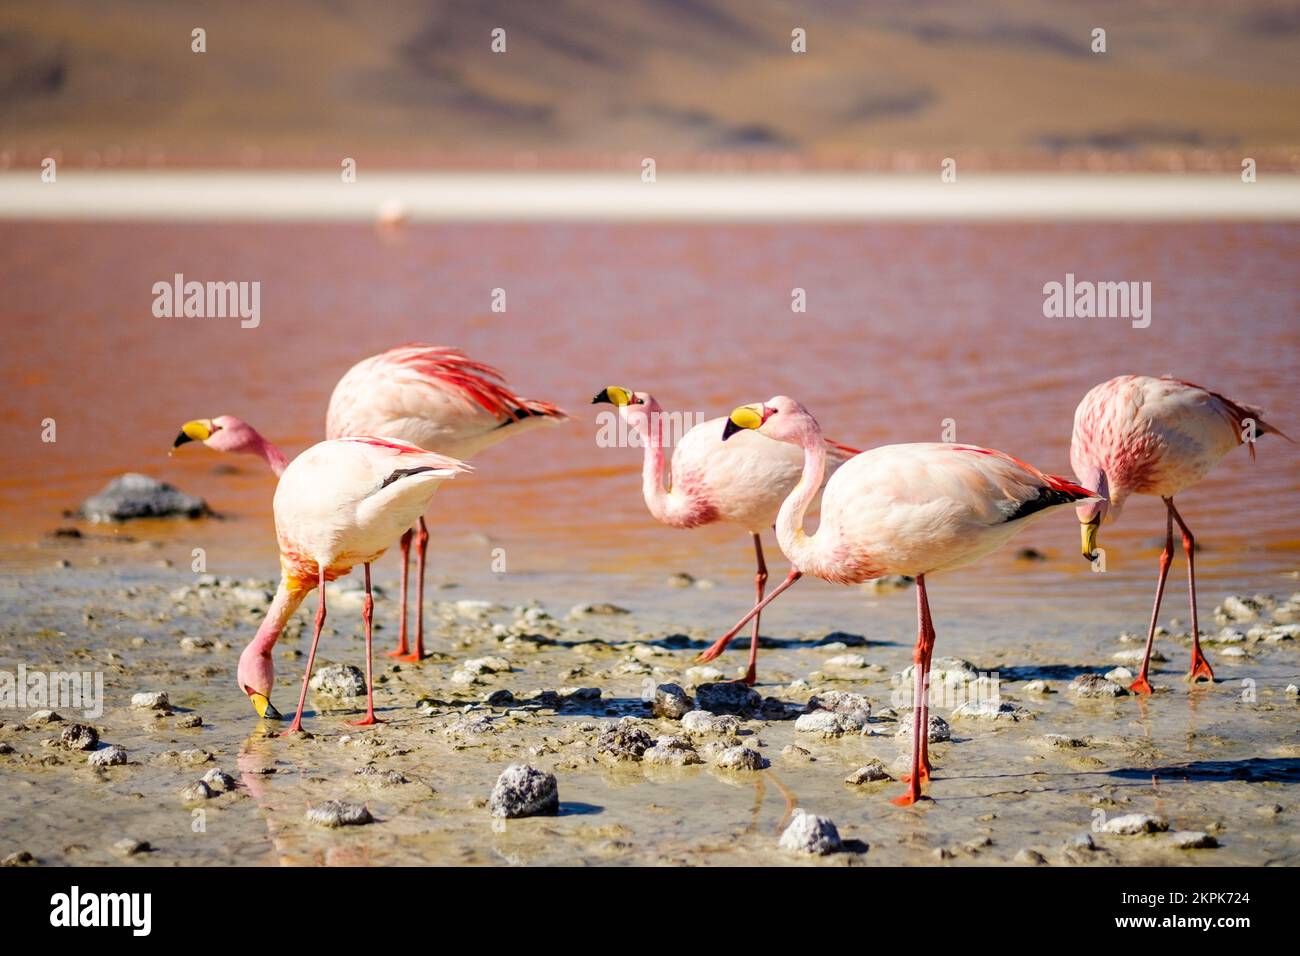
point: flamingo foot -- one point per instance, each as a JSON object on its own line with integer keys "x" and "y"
{"x": 365, "y": 721}
{"x": 750, "y": 678}
{"x": 925, "y": 775}
{"x": 400, "y": 651}
{"x": 411, "y": 658}
{"x": 1141, "y": 686}
{"x": 912, "y": 796}
{"x": 294, "y": 728}
{"x": 1200, "y": 669}
{"x": 704, "y": 656}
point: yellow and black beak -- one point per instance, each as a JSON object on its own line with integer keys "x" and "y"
{"x": 746, "y": 416}
{"x": 614, "y": 395}
{"x": 1088, "y": 533}
{"x": 199, "y": 430}
{"x": 263, "y": 706}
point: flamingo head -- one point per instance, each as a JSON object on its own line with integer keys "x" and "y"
{"x": 256, "y": 676}
{"x": 619, "y": 397}
{"x": 223, "y": 433}
{"x": 635, "y": 408}
{"x": 780, "y": 418}
{"x": 1094, "y": 512}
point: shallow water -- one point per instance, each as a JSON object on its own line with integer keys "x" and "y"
{"x": 907, "y": 326}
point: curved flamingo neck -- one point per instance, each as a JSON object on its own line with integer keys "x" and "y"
{"x": 269, "y": 452}
{"x": 287, "y": 598}
{"x": 798, "y": 546}
{"x": 663, "y": 504}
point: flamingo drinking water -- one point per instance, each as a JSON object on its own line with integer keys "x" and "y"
{"x": 339, "y": 504}
{"x": 1155, "y": 436}
{"x": 899, "y": 509}
{"x": 742, "y": 482}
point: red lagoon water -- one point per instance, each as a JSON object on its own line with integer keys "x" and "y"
{"x": 906, "y": 326}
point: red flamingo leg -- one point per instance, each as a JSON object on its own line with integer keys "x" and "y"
{"x": 1200, "y": 669}
{"x": 921, "y": 658}
{"x": 368, "y": 613}
{"x": 402, "y": 650}
{"x": 421, "y": 546}
{"x": 1142, "y": 685}
{"x": 760, "y": 585}
{"x": 311, "y": 657}
{"x": 721, "y": 643}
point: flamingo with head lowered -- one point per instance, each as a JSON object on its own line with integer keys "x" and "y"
{"x": 899, "y": 509}
{"x": 339, "y": 504}
{"x": 742, "y": 482}
{"x": 1155, "y": 436}
{"x": 433, "y": 397}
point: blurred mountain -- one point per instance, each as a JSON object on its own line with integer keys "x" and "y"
{"x": 585, "y": 82}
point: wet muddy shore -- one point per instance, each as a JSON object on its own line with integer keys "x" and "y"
{"x": 647, "y": 774}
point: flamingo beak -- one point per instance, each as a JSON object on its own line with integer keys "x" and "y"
{"x": 193, "y": 431}
{"x": 746, "y": 416}
{"x": 263, "y": 706}
{"x": 1088, "y": 534}
{"x": 613, "y": 396}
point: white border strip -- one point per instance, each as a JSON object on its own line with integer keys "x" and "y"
{"x": 550, "y": 197}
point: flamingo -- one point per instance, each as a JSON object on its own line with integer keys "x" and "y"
{"x": 899, "y": 509}
{"x": 1155, "y": 436}
{"x": 742, "y": 483}
{"x": 340, "y": 503}
{"x": 433, "y": 397}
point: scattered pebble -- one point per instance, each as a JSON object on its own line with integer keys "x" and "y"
{"x": 1096, "y": 685}
{"x": 1063, "y": 742}
{"x": 1135, "y": 655}
{"x": 1192, "y": 840}
{"x": 218, "y": 779}
{"x": 853, "y": 706}
{"x": 704, "y": 724}
{"x": 703, "y": 674}
{"x": 939, "y": 731}
{"x": 674, "y": 751}
{"x": 671, "y": 701}
{"x": 1039, "y": 687}
{"x": 156, "y": 700}
{"x": 624, "y": 741}
{"x": 199, "y": 790}
{"x": 1133, "y": 823}
{"x": 729, "y": 697}
{"x": 873, "y": 771}
{"x": 524, "y": 791}
{"x": 597, "y": 610}
{"x": 20, "y": 858}
{"x": 110, "y": 756}
{"x": 845, "y": 662}
{"x": 43, "y": 717}
{"x": 990, "y": 710}
{"x": 129, "y": 846}
{"x": 826, "y": 723}
{"x": 338, "y": 813}
{"x": 381, "y": 778}
{"x": 139, "y": 496}
{"x": 188, "y": 721}
{"x": 810, "y": 834}
{"x": 339, "y": 680}
{"x": 796, "y": 754}
{"x": 739, "y": 758}
{"x": 79, "y": 737}
{"x": 1028, "y": 857}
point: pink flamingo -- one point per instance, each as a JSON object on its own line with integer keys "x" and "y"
{"x": 339, "y": 504}
{"x": 742, "y": 483}
{"x": 899, "y": 509}
{"x": 1155, "y": 436}
{"x": 430, "y": 396}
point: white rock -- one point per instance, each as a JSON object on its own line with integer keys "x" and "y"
{"x": 846, "y": 662}
{"x": 739, "y": 758}
{"x": 1038, "y": 687}
{"x": 1192, "y": 840}
{"x": 110, "y": 756}
{"x": 1135, "y": 656}
{"x": 704, "y": 724}
{"x": 1134, "y": 823}
{"x": 703, "y": 674}
{"x": 810, "y": 834}
{"x": 826, "y": 723}
{"x": 151, "y": 701}
{"x": 990, "y": 710}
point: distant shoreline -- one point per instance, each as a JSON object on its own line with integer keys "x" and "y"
{"x": 395, "y": 198}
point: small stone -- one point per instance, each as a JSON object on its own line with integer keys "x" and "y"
{"x": 1028, "y": 857}
{"x": 129, "y": 846}
{"x": 702, "y": 723}
{"x": 110, "y": 756}
{"x": 79, "y": 737}
{"x": 1030, "y": 554}
{"x": 873, "y": 771}
{"x": 1236, "y": 608}
{"x": 139, "y": 496}
{"x": 5, "y": 748}
{"x": 1120, "y": 675}
{"x": 730, "y": 697}
{"x": 487, "y": 665}
{"x": 1228, "y": 635}
{"x": 1134, "y": 823}
{"x": 1095, "y": 685}
{"x": 680, "y": 580}
{"x": 338, "y": 813}
{"x": 500, "y": 698}
{"x": 845, "y": 662}
{"x": 381, "y": 778}
{"x": 197, "y": 791}
{"x": 156, "y": 700}
{"x": 471, "y": 725}
{"x": 597, "y": 610}
{"x": 1136, "y": 655}
{"x": 1063, "y": 742}
{"x": 524, "y": 791}
{"x": 196, "y": 644}
{"x": 475, "y": 610}
{"x": 188, "y": 721}
{"x": 624, "y": 741}
{"x": 810, "y": 834}
{"x": 672, "y": 750}
{"x": 703, "y": 674}
{"x": 1038, "y": 687}
{"x": 43, "y": 717}
{"x": 1293, "y": 690}
{"x": 796, "y": 754}
{"x": 1081, "y": 842}
{"x": 826, "y": 723}
{"x": 671, "y": 701}
{"x": 339, "y": 680}
{"x": 1192, "y": 840}
{"x": 218, "y": 779}
{"x": 1232, "y": 652}
{"x": 854, "y": 706}
{"x": 20, "y": 858}
{"x": 739, "y": 758}
{"x": 990, "y": 710}
{"x": 944, "y": 671}
{"x": 939, "y": 731}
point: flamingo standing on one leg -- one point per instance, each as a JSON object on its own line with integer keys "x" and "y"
{"x": 743, "y": 482}
{"x": 433, "y": 397}
{"x": 1155, "y": 436}
{"x": 899, "y": 509}
{"x": 339, "y": 504}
